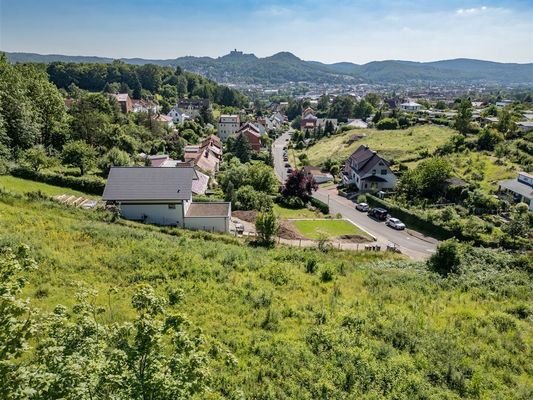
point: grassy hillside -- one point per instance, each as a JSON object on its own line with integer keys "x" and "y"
{"x": 400, "y": 145}
{"x": 302, "y": 324}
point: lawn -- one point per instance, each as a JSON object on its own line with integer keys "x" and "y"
{"x": 289, "y": 213}
{"x": 329, "y": 228}
{"x": 21, "y": 186}
{"x": 399, "y": 145}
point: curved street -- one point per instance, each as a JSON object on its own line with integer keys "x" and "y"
{"x": 412, "y": 243}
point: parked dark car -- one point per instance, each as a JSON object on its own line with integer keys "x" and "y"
{"x": 287, "y": 165}
{"x": 378, "y": 213}
{"x": 289, "y": 170}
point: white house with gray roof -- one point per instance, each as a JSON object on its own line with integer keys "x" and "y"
{"x": 368, "y": 171}
{"x": 163, "y": 196}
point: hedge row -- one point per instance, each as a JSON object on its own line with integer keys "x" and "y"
{"x": 323, "y": 207}
{"x": 411, "y": 219}
{"x": 86, "y": 184}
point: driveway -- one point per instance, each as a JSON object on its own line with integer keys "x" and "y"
{"x": 412, "y": 243}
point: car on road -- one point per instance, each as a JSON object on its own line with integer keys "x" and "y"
{"x": 395, "y": 223}
{"x": 378, "y": 213}
{"x": 289, "y": 170}
{"x": 362, "y": 207}
{"x": 287, "y": 165}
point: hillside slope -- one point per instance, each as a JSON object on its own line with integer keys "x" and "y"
{"x": 361, "y": 326}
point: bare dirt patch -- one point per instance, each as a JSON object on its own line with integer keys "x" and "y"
{"x": 248, "y": 216}
{"x": 352, "y": 239}
{"x": 288, "y": 231}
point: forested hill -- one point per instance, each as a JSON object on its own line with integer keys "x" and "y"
{"x": 142, "y": 81}
{"x": 284, "y": 67}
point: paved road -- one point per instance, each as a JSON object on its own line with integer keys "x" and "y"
{"x": 277, "y": 153}
{"x": 411, "y": 243}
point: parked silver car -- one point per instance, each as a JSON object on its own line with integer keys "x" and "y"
{"x": 362, "y": 207}
{"x": 395, "y": 223}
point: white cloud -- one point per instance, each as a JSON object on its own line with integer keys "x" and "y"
{"x": 471, "y": 11}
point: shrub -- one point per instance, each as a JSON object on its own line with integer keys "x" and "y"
{"x": 87, "y": 184}
{"x": 323, "y": 207}
{"x": 327, "y": 274}
{"x": 267, "y": 226}
{"x": 311, "y": 266}
{"x": 446, "y": 259}
{"x": 387, "y": 123}
{"x": 292, "y": 202}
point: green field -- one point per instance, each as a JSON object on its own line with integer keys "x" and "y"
{"x": 362, "y": 325}
{"x": 328, "y": 228}
{"x": 289, "y": 213}
{"x": 468, "y": 166}
{"x": 398, "y": 145}
{"x": 21, "y": 186}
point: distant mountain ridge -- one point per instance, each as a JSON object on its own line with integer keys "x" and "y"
{"x": 284, "y": 67}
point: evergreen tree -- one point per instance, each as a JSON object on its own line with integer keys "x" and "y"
{"x": 242, "y": 149}
{"x": 464, "y": 116}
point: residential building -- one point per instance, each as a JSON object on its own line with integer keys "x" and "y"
{"x": 178, "y": 116}
{"x": 368, "y": 171}
{"x": 206, "y": 156}
{"x": 318, "y": 175}
{"x": 124, "y": 101}
{"x": 228, "y": 125}
{"x": 163, "y": 196}
{"x": 193, "y": 104}
{"x": 525, "y": 126}
{"x": 164, "y": 120}
{"x": 252, "y": 134}
{"x": 309, "y": 120}
{"x": 410, "y": 106}
{"x": 521, "y": 188}
{"x": 146, "y": 106}
{"x": 356, "y": 124}
{"x": 321, "y": 123}
{"x": 503, "y": 103}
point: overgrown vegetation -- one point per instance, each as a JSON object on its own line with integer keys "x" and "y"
{"x": 283, "y": 322}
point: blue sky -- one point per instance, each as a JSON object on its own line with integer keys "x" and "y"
{"x": 328, "y": 31}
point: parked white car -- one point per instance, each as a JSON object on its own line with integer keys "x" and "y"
{"x": 395, "y": 223}
{"x": 362, "y": 207}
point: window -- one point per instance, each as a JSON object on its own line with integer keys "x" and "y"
{"x": 172, "y": 206}
{"x": 373, "y": 172}
{"x": 383, "y": 172}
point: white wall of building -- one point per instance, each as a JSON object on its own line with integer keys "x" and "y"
{"x": 160, "y": 214}
{"x": 217, "y": 224}
{"x": 228, "y": 126}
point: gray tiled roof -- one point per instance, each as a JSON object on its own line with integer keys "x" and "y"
{"x": 149, "y": 183}
{"x": 517, "y": 187}
{"x": 208, "y": 209}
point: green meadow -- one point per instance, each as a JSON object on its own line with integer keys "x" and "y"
{"x": 287, "y": 323}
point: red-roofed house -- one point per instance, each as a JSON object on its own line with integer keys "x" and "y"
{"x": 252, "y": 135}
{"x": 124, "y": 102}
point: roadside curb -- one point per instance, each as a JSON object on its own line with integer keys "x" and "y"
{"x": 421, "y": 237}
{"x": 363, "y": 229}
